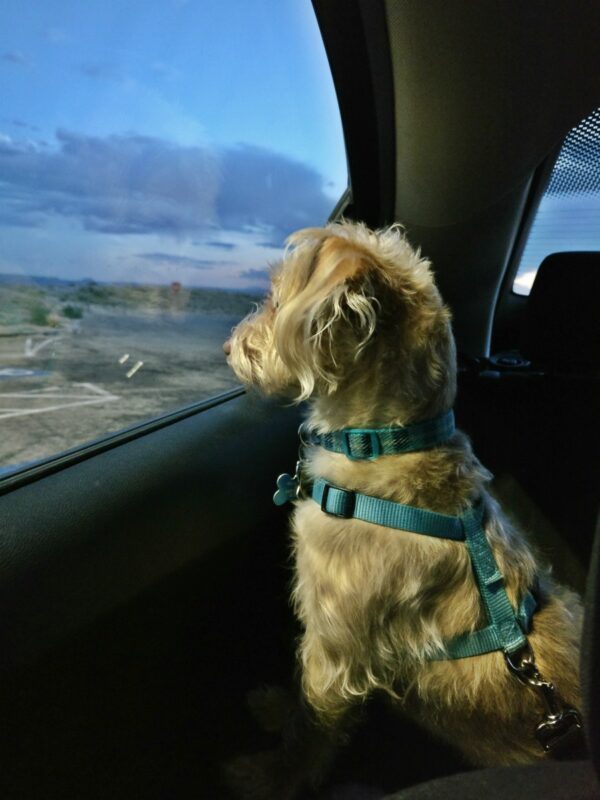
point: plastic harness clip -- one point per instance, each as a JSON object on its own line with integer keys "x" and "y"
{"x": 344, "y": 505}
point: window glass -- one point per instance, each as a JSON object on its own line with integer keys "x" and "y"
{"x": 153, "y": 159}
{"x": 568, "y": 217}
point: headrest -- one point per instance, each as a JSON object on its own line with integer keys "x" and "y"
{"x": 562, "y": 325}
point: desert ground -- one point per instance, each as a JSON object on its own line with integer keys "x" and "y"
{"x": 73, "y": 371}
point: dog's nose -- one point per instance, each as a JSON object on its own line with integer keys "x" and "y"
{"x": 227, "y": 347}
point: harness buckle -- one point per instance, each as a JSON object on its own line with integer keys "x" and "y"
{"x": 348, "y": 502}
{"x": 371, "y": 437}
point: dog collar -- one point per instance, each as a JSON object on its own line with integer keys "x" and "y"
{"x": 366, "y": 444}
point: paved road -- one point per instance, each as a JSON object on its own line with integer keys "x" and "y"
{"x": 109, "y": 371}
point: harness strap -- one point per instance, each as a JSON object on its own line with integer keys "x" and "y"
{"x": 491, "y": 585}
{"x": 369, "y": 443}
{"x": 507, "y": 629}
{"x": 347, "y": 504}
{"x": 486, "y": 640}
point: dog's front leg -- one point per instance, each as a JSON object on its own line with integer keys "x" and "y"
{"x": 309, "y": 748}
{"x": 300, "y": 763}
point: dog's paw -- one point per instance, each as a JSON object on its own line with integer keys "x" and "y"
{"x": 271, "y": 707}
{"x": 261, "y": 776}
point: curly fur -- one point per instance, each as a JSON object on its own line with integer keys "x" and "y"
{"x": 355, "y": 325}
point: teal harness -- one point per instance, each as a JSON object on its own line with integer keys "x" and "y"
{"x": 507, "y": 629}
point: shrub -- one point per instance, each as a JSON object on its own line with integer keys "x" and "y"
{"x": 38, "y": 314}
{"x": 72, "y": 312}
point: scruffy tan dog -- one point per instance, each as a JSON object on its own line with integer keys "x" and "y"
{"x": 355, "y": 325}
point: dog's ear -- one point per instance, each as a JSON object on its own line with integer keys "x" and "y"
{"x": 327, "y": 313}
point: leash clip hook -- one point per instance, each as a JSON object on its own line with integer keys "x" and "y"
{"x": 561, "y": 724}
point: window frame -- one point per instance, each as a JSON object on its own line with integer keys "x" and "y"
{"x": 539, "y": 183}
{"x": 74, "y": 455}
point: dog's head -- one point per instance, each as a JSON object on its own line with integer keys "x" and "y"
{"x": 349, "y": 308}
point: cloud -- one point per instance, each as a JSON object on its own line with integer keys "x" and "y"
{"x": 171, "y": 259}
{"x": 117, "y": 184}
{"x": 20, "y": 123}
{"x": 14, "y": 219}
{"x": 13, "y": 147}
{"x": 221, "y": 245}
{"x": 101, "y": 72}
{"x": 15, "y": 57}
{"x": 274, "y": 245}
{"x": 255, "y": 274}
{"x": 265, "y": 189}
{"x": 134, "y": 184}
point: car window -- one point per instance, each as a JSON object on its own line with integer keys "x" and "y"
{"x": 568, "y": 217}
{"x": 153, "y": 159}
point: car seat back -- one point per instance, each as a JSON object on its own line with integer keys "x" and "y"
{"x": 562, "y": 324}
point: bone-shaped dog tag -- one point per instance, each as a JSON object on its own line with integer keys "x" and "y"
{"x": 287, "y": 489}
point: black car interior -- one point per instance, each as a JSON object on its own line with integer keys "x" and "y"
{"x": 144, "y": 578}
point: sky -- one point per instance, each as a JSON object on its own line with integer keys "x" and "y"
{"x": 563, "y": 222}
{"x": 173, "y": 140}
{"x": 568, "y": 216}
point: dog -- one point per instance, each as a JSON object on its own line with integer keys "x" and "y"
{"x": 354, "y": 325}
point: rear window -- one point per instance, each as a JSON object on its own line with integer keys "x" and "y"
{"x": 568, "y": 217}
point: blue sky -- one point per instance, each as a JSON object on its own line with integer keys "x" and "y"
{"x": 568, "y": 217}
{"x": 564, "y": 222}
{"x": 174, "y": 140}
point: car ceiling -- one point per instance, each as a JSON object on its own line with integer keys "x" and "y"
{"x": 469, "y": 99}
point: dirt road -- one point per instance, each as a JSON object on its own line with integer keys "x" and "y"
{"x": 102, "y": 373}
